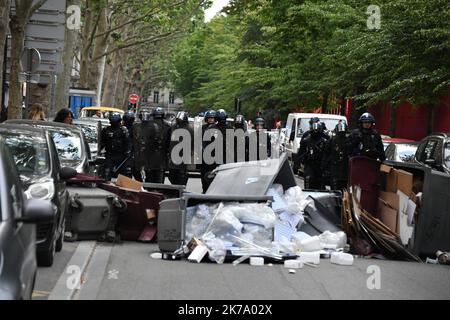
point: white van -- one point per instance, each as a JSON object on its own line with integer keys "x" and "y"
{"x": 298, "y": 123}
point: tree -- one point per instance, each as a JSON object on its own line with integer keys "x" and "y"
{"x": 4, "y": 17}
{"x": 19, "y": 17}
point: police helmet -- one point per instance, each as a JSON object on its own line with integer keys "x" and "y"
{"x": 210, "y": 114}
{"x": 366, "y": 118}
{"x": 222, "y": 115}
{"x": 129, "y": 115}
{"x": 115, "y": 117}
{"x": 182, "y": 116}
{"x": 341, "y": 127}
{"x": 158, "y": 113}
{"x": 314, "y": 120}
{"x": 260, "y": 121}
{"x": 145, "y": 115}
{"x": 316, "y": 127}
{"x": 239, "y": 121}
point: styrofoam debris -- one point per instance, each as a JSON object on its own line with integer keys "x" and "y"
{"x": 310, "y": 257}
{"x": 293, "y": 264}
{"x": 156, "y": 255}
{"x": 256, "y": 261}
{"x": 341, "y": 258}
{"x": 292, "y": 271}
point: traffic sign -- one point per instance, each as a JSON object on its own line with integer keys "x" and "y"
{"x": 133, "y": 98}
{"x": 31, "y": 60}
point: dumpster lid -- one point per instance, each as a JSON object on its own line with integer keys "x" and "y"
{"x": 252, "y": 178}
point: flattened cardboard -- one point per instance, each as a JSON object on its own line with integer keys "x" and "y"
{"x": 125, "y": 182}
{"x": 404, "y": 182}
{"x": 388, "y": 215}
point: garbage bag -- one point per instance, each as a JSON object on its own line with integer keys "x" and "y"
{"x": 339, "y": 239}
{"x": 198, "y": 219}
{"x": 216, "y": 247}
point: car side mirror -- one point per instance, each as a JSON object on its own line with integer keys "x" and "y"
{"x": 430, "y": 162}
{"x": 67, "y": 173}
{"x": 38, "y": 210}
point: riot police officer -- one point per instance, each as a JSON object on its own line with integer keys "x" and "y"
{"x": 159, "y": 140}
{"x": 241, "y": 139}
{"x": 223, "y": 127}
{"x": 213, "y": 131}
{"x": 335, "y": 160}
{"x": 366, "y": 141}
{"x": 259, "y": 142}
{"x": 115, "y": 140}
{"x": 178, "y": 174}
{"x": 311, "y": 152}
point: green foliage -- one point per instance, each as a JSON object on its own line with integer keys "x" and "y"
{"x": 283, "y": 54}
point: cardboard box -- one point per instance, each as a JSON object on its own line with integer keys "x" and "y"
{"x": 404, "y": 181}
{"x": 125, "y": 182}
{"x": 388, "y": 210}
{"x": 397, "y": 179}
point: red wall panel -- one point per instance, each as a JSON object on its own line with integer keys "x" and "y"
{"x": 442, "y": 116}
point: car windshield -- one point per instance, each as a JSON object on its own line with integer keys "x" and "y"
{"x": 68, "y": 145}
{"x": 447, "y": 154}
{"x": 406, "y": 152}
{"x": 90, "y": 132}
{"x": 303, "y": 124}
{"x": 30, "y": 154}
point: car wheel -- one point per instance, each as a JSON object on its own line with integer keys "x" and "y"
{"x": 59, "y": 242}
{"x": 45, "y": 258}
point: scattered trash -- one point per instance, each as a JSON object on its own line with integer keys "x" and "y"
{"x": 310, "y": 264}
{"x": 198, "y": 254}
{"x": 292, "y": 271}
{"x": 432, "y": 261}
{"x": 311, "y": 244}
{"x": 309, "y": 257}
{"x": 293, "y": 264}
{"x": 443, "y": 257}
{"x": 341, "y": 258}
{"x": 256, "y": 261}
{"x": 239, "y": 260}
{"x": 156, "y": 255}
{"x": 270, "y": 265}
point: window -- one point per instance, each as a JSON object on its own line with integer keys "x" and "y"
{"x": 447, "y": 154}
{"x": 68, "y": 146}
{"x": 156, "y": 97}
{"x": 172, "y": 97}
{"x": 428, "y": 152}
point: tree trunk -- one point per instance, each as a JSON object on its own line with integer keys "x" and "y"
{"x": 86, "y": 46}
{"x": 325, "y": 103}
{"x": 4, "y": 18}
{"x": 40, "y": 93}
{"x": 111, "y": 79}
{"x": 17, "y": 28}
{"x": 63, "y": 79}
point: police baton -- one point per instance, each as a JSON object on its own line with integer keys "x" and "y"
{"x": 115, "y": 169}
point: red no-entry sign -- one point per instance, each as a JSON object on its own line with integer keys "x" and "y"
{"x": 133, "y": 98}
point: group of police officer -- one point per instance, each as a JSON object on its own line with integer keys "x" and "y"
{"x": 142, "y": 149}
{"x": 325, "y": 159}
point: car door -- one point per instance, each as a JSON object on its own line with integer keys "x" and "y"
{"x": 427, "y": 151}
{"x": 23, "y": 247}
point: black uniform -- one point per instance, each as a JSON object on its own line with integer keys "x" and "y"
{"x": 311, "y": 153}
{"x": 206, "y": 168}
{"x": 367, "y": 142}
{"x": 115, "y": 140}
{"x": 151, "y": 143}
{"x": 223, "y": 127}
{"x": 178, "y": 172}
{"x": 335, "y": 160}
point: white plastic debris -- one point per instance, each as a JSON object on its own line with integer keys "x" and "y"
{"x": 341, "y": 258}
{"x": 198, "y": 254}
{"x": 156, "y": 255}
{"x": 328, "y": 239}
{"x": 309, "y": 257}
{"x": 239, "y": 260}
{"x": 293, "y": 264}
{"x": 256, "y": 261}
{"x": 292, "y": 271}
{"x": 311, "y": 244}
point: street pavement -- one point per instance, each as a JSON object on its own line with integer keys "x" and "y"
{"x": 126, "y": 271}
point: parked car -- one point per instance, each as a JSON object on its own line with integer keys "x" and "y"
{"x": 89, "y": 112}
{"x": 387, "y": 140}
{"x": 70, "y": 141}
{"x": 42, "y": 177}
{"x": 434, "y": 152}
{"x": 297, "y": 124}
{"x": 18, "y": 231}
{"x": 401, "y": 151}
{"x": 91, "y": 128}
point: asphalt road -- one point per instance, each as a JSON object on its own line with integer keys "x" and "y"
{"x": 126, "y": 271}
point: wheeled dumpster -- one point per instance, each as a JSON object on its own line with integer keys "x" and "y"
{"x": 432, "y": 223}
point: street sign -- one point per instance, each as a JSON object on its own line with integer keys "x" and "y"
{"x": 31, "y": 59}
{"x": 133, "y": 98}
